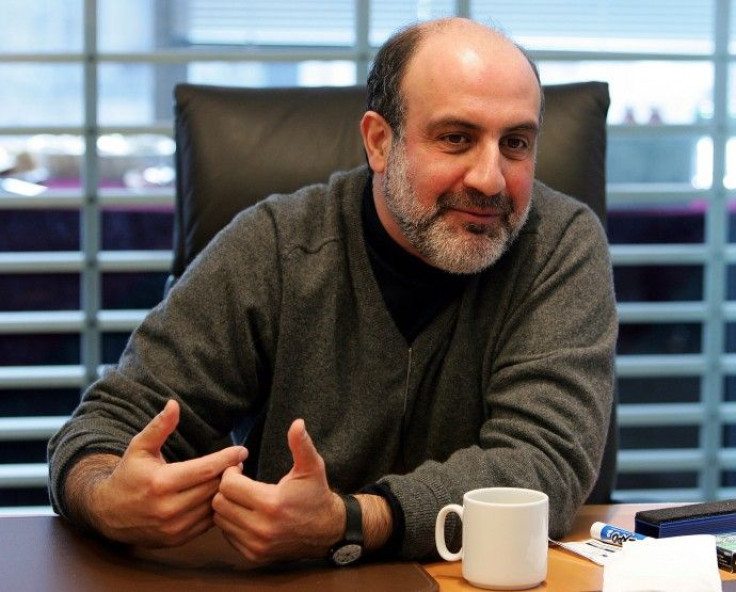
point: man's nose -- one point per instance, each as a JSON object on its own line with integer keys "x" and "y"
{"x": 486, "y": 173}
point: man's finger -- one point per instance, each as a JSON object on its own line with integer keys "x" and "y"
{"x": 190, "y": 473}
{"x": 307, "y": 460}
{"x": 152, "y": 437}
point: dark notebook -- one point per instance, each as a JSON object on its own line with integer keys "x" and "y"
{"x": 702, "y": 518}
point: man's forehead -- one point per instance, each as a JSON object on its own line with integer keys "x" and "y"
{"x": 479, "y": 54}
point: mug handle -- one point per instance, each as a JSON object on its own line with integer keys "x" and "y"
{"x": 439, "y": 532}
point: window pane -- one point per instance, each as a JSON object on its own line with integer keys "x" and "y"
{"x": 658, "y": 283}
{"x": 132, "y": 290}
{"x": 40, "y": 162}
{"x": 37, "y": 401}
{"x": 41, "y": 26}
{"x": 20, "y": 230}
{"x": 728, "y": 436}
{"x": 387, "y": 16}
{"x": 136, "y": 162}
{"x": 141, "y": 94}
{"x": 731, "y": 282}
{"x": 39, "y": 349}
{"x": 662, "y": 389}
{"x": 730, "y": 336}
{"x": 652, "y": 158}
{"x": 730, "y": 178}
{"x": 133, "y": 25}
{"x": 667, "y": 437}
{"x": 731, "y": 96}
{"x": 656, "y": 224}
{"x": 660, "y": 480}
{"x": 265, "y": 74}
{"x": 25, "y": 496}
{"x": 43, "y": 94}
{"x": 136, "y": 94}
{"x": 264, "y": 22}
{"x": 151, "y": 24}
{"x": 659, "y": 338}
{"x": 728, "y": 478}
{"x": 113, "y": 345}
{"x": 644, "y": 91}
{"x": 26, "y": 292}
{"x": 138, "y": 228}
{"x": 21, "y": 172}
{"x": 674, "y": 26}
{"x": 729, "y": 388}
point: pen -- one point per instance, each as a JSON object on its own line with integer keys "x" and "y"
{"x": 613, "y": 534}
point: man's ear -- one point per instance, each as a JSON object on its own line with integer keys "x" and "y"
{"x": 377, "y": 136}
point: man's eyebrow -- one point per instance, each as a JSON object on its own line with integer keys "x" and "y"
{"x": 532, "y": 126}
{"x": 453, "y": 122}
{"x": 456, "y": 122}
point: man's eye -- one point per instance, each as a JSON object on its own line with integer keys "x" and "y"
{"x": 516, "y": 143}
{"x": 456, "y": 139}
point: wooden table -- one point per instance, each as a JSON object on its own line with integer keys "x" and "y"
{"x": 43, "y": 553}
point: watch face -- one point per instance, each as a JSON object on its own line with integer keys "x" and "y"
{"x": 347, "y": 554}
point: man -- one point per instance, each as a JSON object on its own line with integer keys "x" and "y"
{"x": 439, "y": 324}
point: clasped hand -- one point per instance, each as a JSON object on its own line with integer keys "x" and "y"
{"x": 144, "y": 500}
{"x": 297, "y": 518}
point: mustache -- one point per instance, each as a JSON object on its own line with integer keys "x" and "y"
{"x": 472, "y": 198}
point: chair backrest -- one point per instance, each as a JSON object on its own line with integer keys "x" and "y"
{"x": 235, "y": 146}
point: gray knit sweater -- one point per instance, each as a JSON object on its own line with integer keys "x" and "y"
{"x": 510, "y": 385}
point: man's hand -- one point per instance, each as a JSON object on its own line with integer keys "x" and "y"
{"x": 141, "y": 499}
{"x": 299, "y": 517}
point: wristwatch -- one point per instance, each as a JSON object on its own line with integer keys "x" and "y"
{"x": 350, "y": 548}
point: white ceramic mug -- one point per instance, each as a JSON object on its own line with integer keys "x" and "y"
{"x": 505, "y": 532}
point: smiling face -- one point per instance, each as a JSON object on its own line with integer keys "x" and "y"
{"x": 455, "y": 188}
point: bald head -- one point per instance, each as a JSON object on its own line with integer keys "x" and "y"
{"x": 385, "y": 94}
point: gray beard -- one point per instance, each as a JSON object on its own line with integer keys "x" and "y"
{"x": 469, "y": 250}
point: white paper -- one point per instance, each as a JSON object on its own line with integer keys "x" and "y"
{"x": 672, "y": 564}
{"x": 594, "y": 550}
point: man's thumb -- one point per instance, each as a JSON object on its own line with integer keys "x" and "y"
{"x": 306, "y": 458}
{"x": 152, "y": 437}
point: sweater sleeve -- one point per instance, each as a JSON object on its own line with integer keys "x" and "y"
{"x": 547, "y": 394}
{"x": 205, "y": 345}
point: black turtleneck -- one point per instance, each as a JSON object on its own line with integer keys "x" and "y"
{"x": 414, "y": 291}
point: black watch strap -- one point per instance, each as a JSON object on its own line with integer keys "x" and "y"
{"x": 350, "y": 547}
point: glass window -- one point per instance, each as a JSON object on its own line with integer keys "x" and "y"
{"x": 673, "y": 26}
{"x": 644, "y": 92}
{"x": 658, "y": 283}
{"x": 662, "y": 159}
{"x": 137, "y": 227}
{"x": 148, "y": 24}
{"x": 661, "y": 389}
{"x": 387, "y": 16}
{"x": 20, "y": 229}
{"x": 43, "y": 94}
{"x": 731, "y": 282}
{"x": 38, "y": 401}
{"x": 138, "y": 289}
{"x": 136, "y": 161}
{"x": 41, "y": 26}
{"x": 39, "y": 349}
{"x": 264, "y": 22}
{"x": 264, "y": 74}
{"x": 656, "y": 483}
{"x": 643, "y": 339}
{"x": 39, "y": 292}
{"x": 665, "y": 437}
{"x": 38, "y": 164}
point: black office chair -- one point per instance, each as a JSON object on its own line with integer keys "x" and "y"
{"x": 235, "y": 146}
